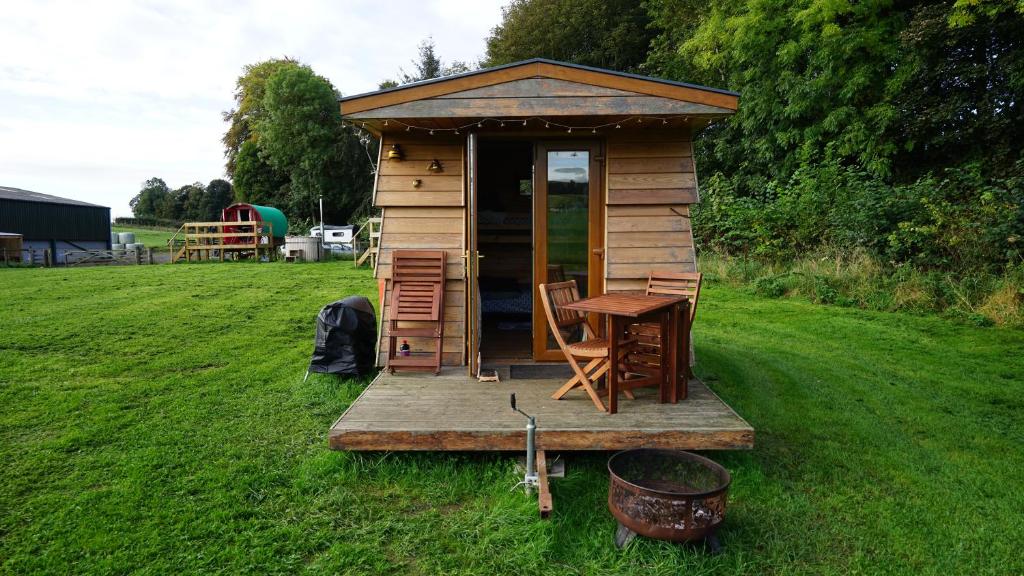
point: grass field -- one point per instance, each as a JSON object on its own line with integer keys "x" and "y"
{"x": 152, "y": 237}
{"x": 153, "y": 419}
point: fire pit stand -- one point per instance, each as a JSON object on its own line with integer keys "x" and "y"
{"x": 667, "y": 495}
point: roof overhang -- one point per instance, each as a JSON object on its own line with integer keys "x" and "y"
{"x": 541, "y": 89}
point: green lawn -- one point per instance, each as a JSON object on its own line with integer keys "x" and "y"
{"x": 151, "y": 237}
{"x": 153, "y": 419}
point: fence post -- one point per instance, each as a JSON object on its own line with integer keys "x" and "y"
{"x": 46, "y": 257}
{"x": 31, "y": 256}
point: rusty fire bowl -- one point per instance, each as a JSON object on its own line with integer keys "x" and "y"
{"x": 667, "y": 494}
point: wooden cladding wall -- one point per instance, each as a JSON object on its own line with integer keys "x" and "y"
{"x": 397, "y": 179}
{"x": 430, "y": 216}
{"x": 651, "y": 184}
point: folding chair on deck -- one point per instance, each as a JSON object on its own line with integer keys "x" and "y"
{"x": 417, "y": 307}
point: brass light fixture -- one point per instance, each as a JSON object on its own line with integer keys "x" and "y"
{"x": 395, "y": 153}
{"x": 435, "y": 166}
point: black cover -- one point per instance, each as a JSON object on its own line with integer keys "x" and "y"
{"x": 346, "y": 337}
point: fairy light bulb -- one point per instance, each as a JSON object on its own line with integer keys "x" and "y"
{"x": 524, "y": 122}
{"x": 431, "y": 132}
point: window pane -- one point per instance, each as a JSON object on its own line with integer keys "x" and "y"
{"x": 568, "y": 216}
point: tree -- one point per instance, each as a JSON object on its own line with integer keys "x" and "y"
{"x": 256, "y": 181}
{"x": 301, "y": 135}
{"x": 149, "y": 199}
{"x": 242, "y": 120}
{"x": 612, "y": 34}
{"x": 218, "y": 196}
{"x": 427, "y": 67}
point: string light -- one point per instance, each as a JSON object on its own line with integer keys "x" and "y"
{"x": 524, "y": 122}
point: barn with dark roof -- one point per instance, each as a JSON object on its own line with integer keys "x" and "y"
{"x": 52, "y": 223}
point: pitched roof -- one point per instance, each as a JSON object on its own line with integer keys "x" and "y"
{"x": 9, "y": 193}
{"x": 540, "y": 67}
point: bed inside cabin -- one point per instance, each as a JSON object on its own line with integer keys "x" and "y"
{"x": 504, "y": 237}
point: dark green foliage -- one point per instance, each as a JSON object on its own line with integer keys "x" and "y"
{"x": 286, "y": 147}
{"x": 150, "y": 199}
{"x": 219, "y": 195}
{"x": 603, "y": 33}
{"x": 890, "y": 126}
{"x": 192, "y": 202}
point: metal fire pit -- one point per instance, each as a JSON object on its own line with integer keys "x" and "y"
{"x": 667, "y": 494}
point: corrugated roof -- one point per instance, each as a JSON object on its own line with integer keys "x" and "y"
{"x": 9, "y": 193}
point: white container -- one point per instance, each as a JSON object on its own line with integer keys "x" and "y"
{"x": 306, "y": 248}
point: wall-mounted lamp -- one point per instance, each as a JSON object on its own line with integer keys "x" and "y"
{"x": 435, "y": 166}
{"x": 395, "y": 153}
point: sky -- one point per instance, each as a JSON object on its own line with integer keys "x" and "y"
{"x": 97, "y": 97}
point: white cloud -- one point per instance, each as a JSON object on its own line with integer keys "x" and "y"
{"x": 95, "y": 97}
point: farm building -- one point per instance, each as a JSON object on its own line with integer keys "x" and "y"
{"x": 534, "y": 172}
{"x": 52, "y": 223}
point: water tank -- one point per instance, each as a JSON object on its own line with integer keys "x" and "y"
{"x": 306, "y": 248}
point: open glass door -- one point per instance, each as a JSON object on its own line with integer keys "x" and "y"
{"x": 567, "y": 228}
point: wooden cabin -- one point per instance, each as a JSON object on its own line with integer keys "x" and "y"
{"x": 529, "y": 173}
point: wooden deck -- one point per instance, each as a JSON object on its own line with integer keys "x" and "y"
{"x": 455, "y": 412}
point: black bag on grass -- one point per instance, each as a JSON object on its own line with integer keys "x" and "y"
{"x": 346, "y": 338}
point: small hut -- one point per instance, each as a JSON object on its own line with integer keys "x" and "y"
{"x": 534, "y": 172}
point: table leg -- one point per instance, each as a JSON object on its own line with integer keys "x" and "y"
{"x": 613, "y": 354}
{"x": 684, "y": 345}
{"x": 663, "y": 358}
{"x": 673, "y": 361}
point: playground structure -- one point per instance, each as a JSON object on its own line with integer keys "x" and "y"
{"x": 245, "y": 230}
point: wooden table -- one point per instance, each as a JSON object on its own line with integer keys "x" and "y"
{"x": 672, "y": 313}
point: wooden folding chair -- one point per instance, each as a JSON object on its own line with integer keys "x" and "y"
{"x": 592, "y": 350}
{"x": 417, "y": 297}
{"x": 646, "y": 358}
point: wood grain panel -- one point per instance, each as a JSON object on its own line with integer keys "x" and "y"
{"x": 650, "y": 181}
{"x": 418, "y": 168}
{"x": 650, "y": 165}
{"x": 647, "y": 239}
{"x": 452, "y": 411}
{"x": 641, "y": 270}
{"x": 536, "y": 88}
{"x": 428, "y": 183}
{"x": 653, "y": 196}
{"x": 648, "y": 224}
{"x": 694, "y": 94}
{"x": 648, "y": 149}
{"x": 416, "y": 198}
{"x": 650, "y": 254}
{"x": 542, "y": 106}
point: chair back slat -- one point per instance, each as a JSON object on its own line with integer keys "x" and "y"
{"x": 676, "y": 284}
{"x": 554, "y": 296}
{"x": 418, "y": 285}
